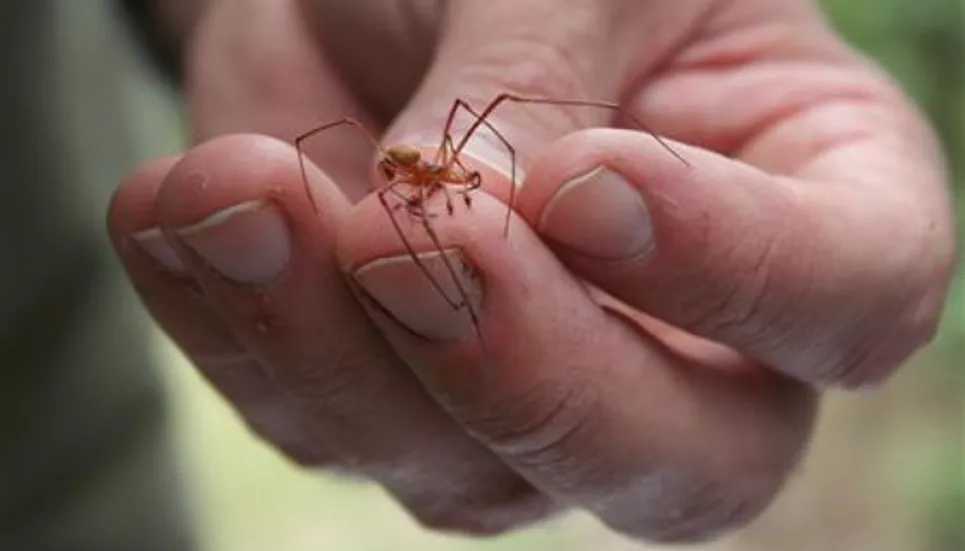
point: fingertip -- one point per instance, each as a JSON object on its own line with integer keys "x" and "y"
{"x": 132, "y": 224}
{"x": 131, "y": 207}
{"x": 579, "y": 153}
{"x": 228, "y": 171}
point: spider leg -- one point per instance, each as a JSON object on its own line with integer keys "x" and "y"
{"x": 476, "y": 180}
{"x": 299, "y": 147}
{"x": 411, "y": 251}
{"x": 504, "y": 97}
{"x": 456, "y": 280}
{"x": 406, "y": 201}
{"x": 445, "y": 191}
{"x": 482, "y": 120}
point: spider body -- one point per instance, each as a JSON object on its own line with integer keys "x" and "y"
{"x": 403, "y": 164}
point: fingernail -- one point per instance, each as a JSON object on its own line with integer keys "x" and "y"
{"x": 599, "y": 214}
{"x": 405, "y": 291}
{"x": 248, "y": 242}
{"x": 153, "y": 242}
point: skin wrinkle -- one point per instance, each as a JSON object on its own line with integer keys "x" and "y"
{"x": 701, "y": 229}
{"x": 751, "y": 297}
{"x": 549, "y": 420}
{"x": 744, "y": 32}
{"x": 545, "y": 70}
{"x": 741, "y": 307}
{"x": 782, "y": 319}
{"x": 715, "y": 53}
{"x": 791, "y": 114}
{"x": 798, "y": 116}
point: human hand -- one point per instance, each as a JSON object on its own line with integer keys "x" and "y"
{"x": 810, "y": 235}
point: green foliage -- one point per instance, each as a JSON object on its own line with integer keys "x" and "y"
{"x": 922, "y": 44}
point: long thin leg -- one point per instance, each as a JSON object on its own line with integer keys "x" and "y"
{"x": 504, "y": 97}
{"x": 451, "y": 119}
{"x": 473, "y": 315}
{"x": 415, "y": 256}
{"x": 474, "y": 184}
{"x": 480, "y": 121}
{"x": 344, "y": 121}
{"x": 448, "y": 196}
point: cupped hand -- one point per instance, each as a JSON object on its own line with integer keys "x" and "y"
{"x": 652, "y": 335}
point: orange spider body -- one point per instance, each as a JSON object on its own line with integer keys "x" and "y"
{"x": 403, "y": 164}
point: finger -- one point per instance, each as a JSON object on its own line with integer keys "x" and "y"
{"x": 170, "y": 294}
{"x": 826, "y": 282}
{"x": 235, "y": 210}
{"x": 255, "y": 67}
{"x": 362, "y": 34}
{"x": 530, "y": 49}
{"x": 586, "y": 408}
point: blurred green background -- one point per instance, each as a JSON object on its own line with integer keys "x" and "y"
{"x": 886, "y": 472}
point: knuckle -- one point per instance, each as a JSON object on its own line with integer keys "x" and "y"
{"x": 747, "y": 304}
{"x": 538, "y": 427}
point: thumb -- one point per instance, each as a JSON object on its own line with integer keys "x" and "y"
{"x": 829, "y": 282}
{"x": 531, "y": 49}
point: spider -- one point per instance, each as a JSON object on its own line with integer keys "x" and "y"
{"x": 405, "y": 165}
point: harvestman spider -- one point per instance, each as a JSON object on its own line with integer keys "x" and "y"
{"x": 403, "y": 164}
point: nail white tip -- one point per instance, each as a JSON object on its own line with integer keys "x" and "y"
{"x": 221, "y": 216}
{"x": 152, "y": 241}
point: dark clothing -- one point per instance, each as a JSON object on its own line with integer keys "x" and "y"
{"x": 85, "y": 462}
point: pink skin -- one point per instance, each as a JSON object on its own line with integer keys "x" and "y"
{"x": 809, "y": 244}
